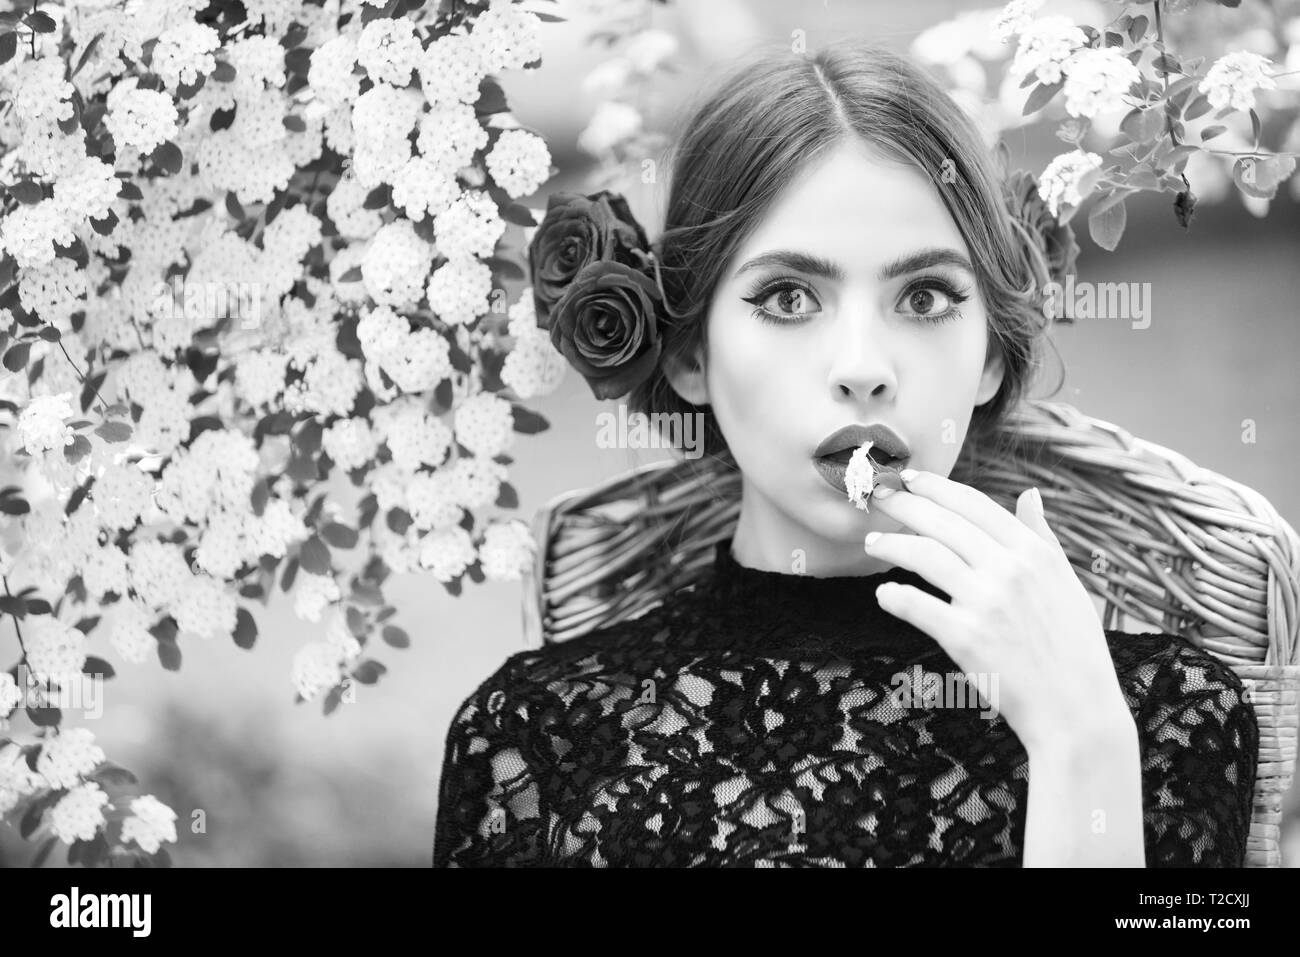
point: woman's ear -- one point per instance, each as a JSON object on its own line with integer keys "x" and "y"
{"x": 686, "y": 375}
{"x": 991, "y": 380}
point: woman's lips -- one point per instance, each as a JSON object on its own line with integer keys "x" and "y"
{"x": 833, "y": 471}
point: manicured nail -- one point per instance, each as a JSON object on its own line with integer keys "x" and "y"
{"x": 871, "y": 539}
{"x": 883, "y": 490}
{"x": 907, "y": 475}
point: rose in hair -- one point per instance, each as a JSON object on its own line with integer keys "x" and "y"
{"x": 605, "y": 326}
{"x": 1055, "y": 240}
{"x": 576, "y": 232}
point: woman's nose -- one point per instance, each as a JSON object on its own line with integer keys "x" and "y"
{"x": 861, "y": 363}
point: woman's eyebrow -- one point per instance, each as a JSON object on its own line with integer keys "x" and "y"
{"x": 819, "y": 266}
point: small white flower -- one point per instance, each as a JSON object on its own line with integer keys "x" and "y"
{"x": 1234, "y": 77}
{"x": 1067, "y": 179}
{"x": 1097, "y": 81}
{"x": 79, "y": 814}
{"x": 43, "y": 424}
{"x": 151, "y": 822}
{"x": 1045, "y": 47}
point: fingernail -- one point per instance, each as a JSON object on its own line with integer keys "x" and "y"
{"x": 883, "y": 490}
{"x": 1038, "y": 497}
{"x": 907, "y": 474}
{"x": 871, "y": 539}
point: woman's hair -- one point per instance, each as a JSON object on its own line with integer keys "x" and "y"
{"x": 774, "y": 112}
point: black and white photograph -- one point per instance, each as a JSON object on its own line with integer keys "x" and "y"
{"x": 650, "y": 434}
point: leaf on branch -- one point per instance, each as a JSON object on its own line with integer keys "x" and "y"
{"x": 315, "y": 556}
{"x": 339, "y": 535}
{"x": 529, "y": 422}
{"x": 245, "y": 629}
{"x": 396, "y": 637}
{"x": 114, "y": 431}
{"x": 1260, "y": 176}
{"x": 27, "y": 191}
{"x": 168, "y": 156}
{"x": 15, "y": 359}
{"x": 368, "y": 671}
{"x": 169, "y": 655}
{"x": 113, "y": 774}
{"x": 77, "y": 449}
{"x": 1107, "y": 226}
{"x": 8, "y": 47}
{"x": 1041, "y": 96}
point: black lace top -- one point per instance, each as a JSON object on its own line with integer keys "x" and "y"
{"x": 763, "y": 719}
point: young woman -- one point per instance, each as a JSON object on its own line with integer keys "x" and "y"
{"x": 838, "y": 252}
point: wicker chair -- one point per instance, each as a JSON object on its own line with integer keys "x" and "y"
{"x": 1151, "y": 535}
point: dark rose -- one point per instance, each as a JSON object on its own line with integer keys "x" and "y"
{"x": 606, "y": 326}
{"x": 1055, "y": 240}
{"x": 575, "y": 232}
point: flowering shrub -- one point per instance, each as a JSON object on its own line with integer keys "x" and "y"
{"x": 256, "y": 334}
{"x": 1127, "y": 91}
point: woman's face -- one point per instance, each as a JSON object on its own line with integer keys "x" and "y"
{"x": 795, "y": 354}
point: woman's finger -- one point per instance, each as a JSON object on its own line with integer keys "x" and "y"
{"x": 933, "y": 561}
{"x": 934, "y": 520}
{"x": 970, "y": 503}
{"x": 943, "y": 622}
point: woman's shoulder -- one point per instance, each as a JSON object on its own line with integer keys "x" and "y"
{"x": 1163, "y": 673}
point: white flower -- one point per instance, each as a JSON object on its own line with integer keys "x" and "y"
{"x": 312, "y": 592}
{"x": 458, "y": 290}
{"x": 611, "y": 124}
{"x": 151, "y": 822}
{"x": 450, "y": 134}
{"x": 10, "y": 694}
{"x": 451, "y": 70}
{"x": 430, "y": 499}
{"x": 79, "y": 813}
{"x": 389, "y": 49}
{"x": 42, "y": 425}
{"x": 422, "y": 188}
{"x": 1067, "y": 179}
{"x": 330, "y": 75}
{"x": 447, "y": 553}
{"x": 56, "y": 651}
{"x": 1014, "y": 18}
{"x": 128, "y": 625}
{"x": 396, "y": 264}
{"x": 471, "y": 226}
{"x": 414, "y": 437}
{"x": 1045, "y": 46}
{"x": 534, "y": 367}
{"x": 1097, "y": 81}
{"x": 183, "y": 52}
{"x": 29, "y": 233}
{"x": 317, "y": 667}
{"x": 485, "y": 424}
{"x": 68, "y": 756}
{"x": 143, "y": 119}
{"x": 860, "y": 476}
{"x": 507, "y": 38}
{"x": 350, "y": 443}
{"x": 86, "y": 189}
{"x": 207, "y": 608}
{"x": 519, "y": 162}
{"x": 507, "y": 550}
{"x": 158, "y": 573}
{"x": 1234, "y": 77}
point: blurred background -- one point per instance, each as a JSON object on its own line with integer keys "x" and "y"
{"x": 280, "y": 784}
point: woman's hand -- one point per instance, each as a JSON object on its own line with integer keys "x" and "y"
{"x": 1018, "y": 609}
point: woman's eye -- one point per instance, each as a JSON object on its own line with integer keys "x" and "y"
{"x": 784, "y": 303}
{"x": 933, "y": 300}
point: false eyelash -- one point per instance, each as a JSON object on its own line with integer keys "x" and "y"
{"x": 762, "y": 292}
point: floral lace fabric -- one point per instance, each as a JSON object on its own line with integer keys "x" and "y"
{"x": 762, "y": 719}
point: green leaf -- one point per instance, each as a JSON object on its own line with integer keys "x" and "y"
{"x": 1210, "y": 132}
{"x": 113, "y": 774}
{"x": 15, "y": 359}
{"x": 168, "y": 156}
{"x": 114, "y": 431}
{"x": 1260, "y": 176}
{"x": 98, "y": 667}
{"x": 8, "y": 47}
{"x": 40, "y": 22}
{"x": 339, "y": 535}
{"x": 1040, "y": 96}
{"x": 396, "y": 637}
{"x": 245, "y": 629}
{"x": 529, "y": 422}
{"x": 169, "y": 655}
{"x": 368, "y": 671}
{"x": 77, "y": 450}
{"x": 27, "y": 191}
{"x": 315, "y": 556}
{"x": 1107, "y": 226}
{"x": 1142, "y": 126}
{"x": 1197, "y": 108}
{"x": 87, "y": 53}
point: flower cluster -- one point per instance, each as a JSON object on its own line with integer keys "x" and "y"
{"x": 247, "y": 250}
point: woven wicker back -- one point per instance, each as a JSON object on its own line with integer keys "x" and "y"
{"x": 1158, "y": 539}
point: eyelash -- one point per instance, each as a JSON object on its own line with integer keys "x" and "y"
{"x": 956, "y": 296}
